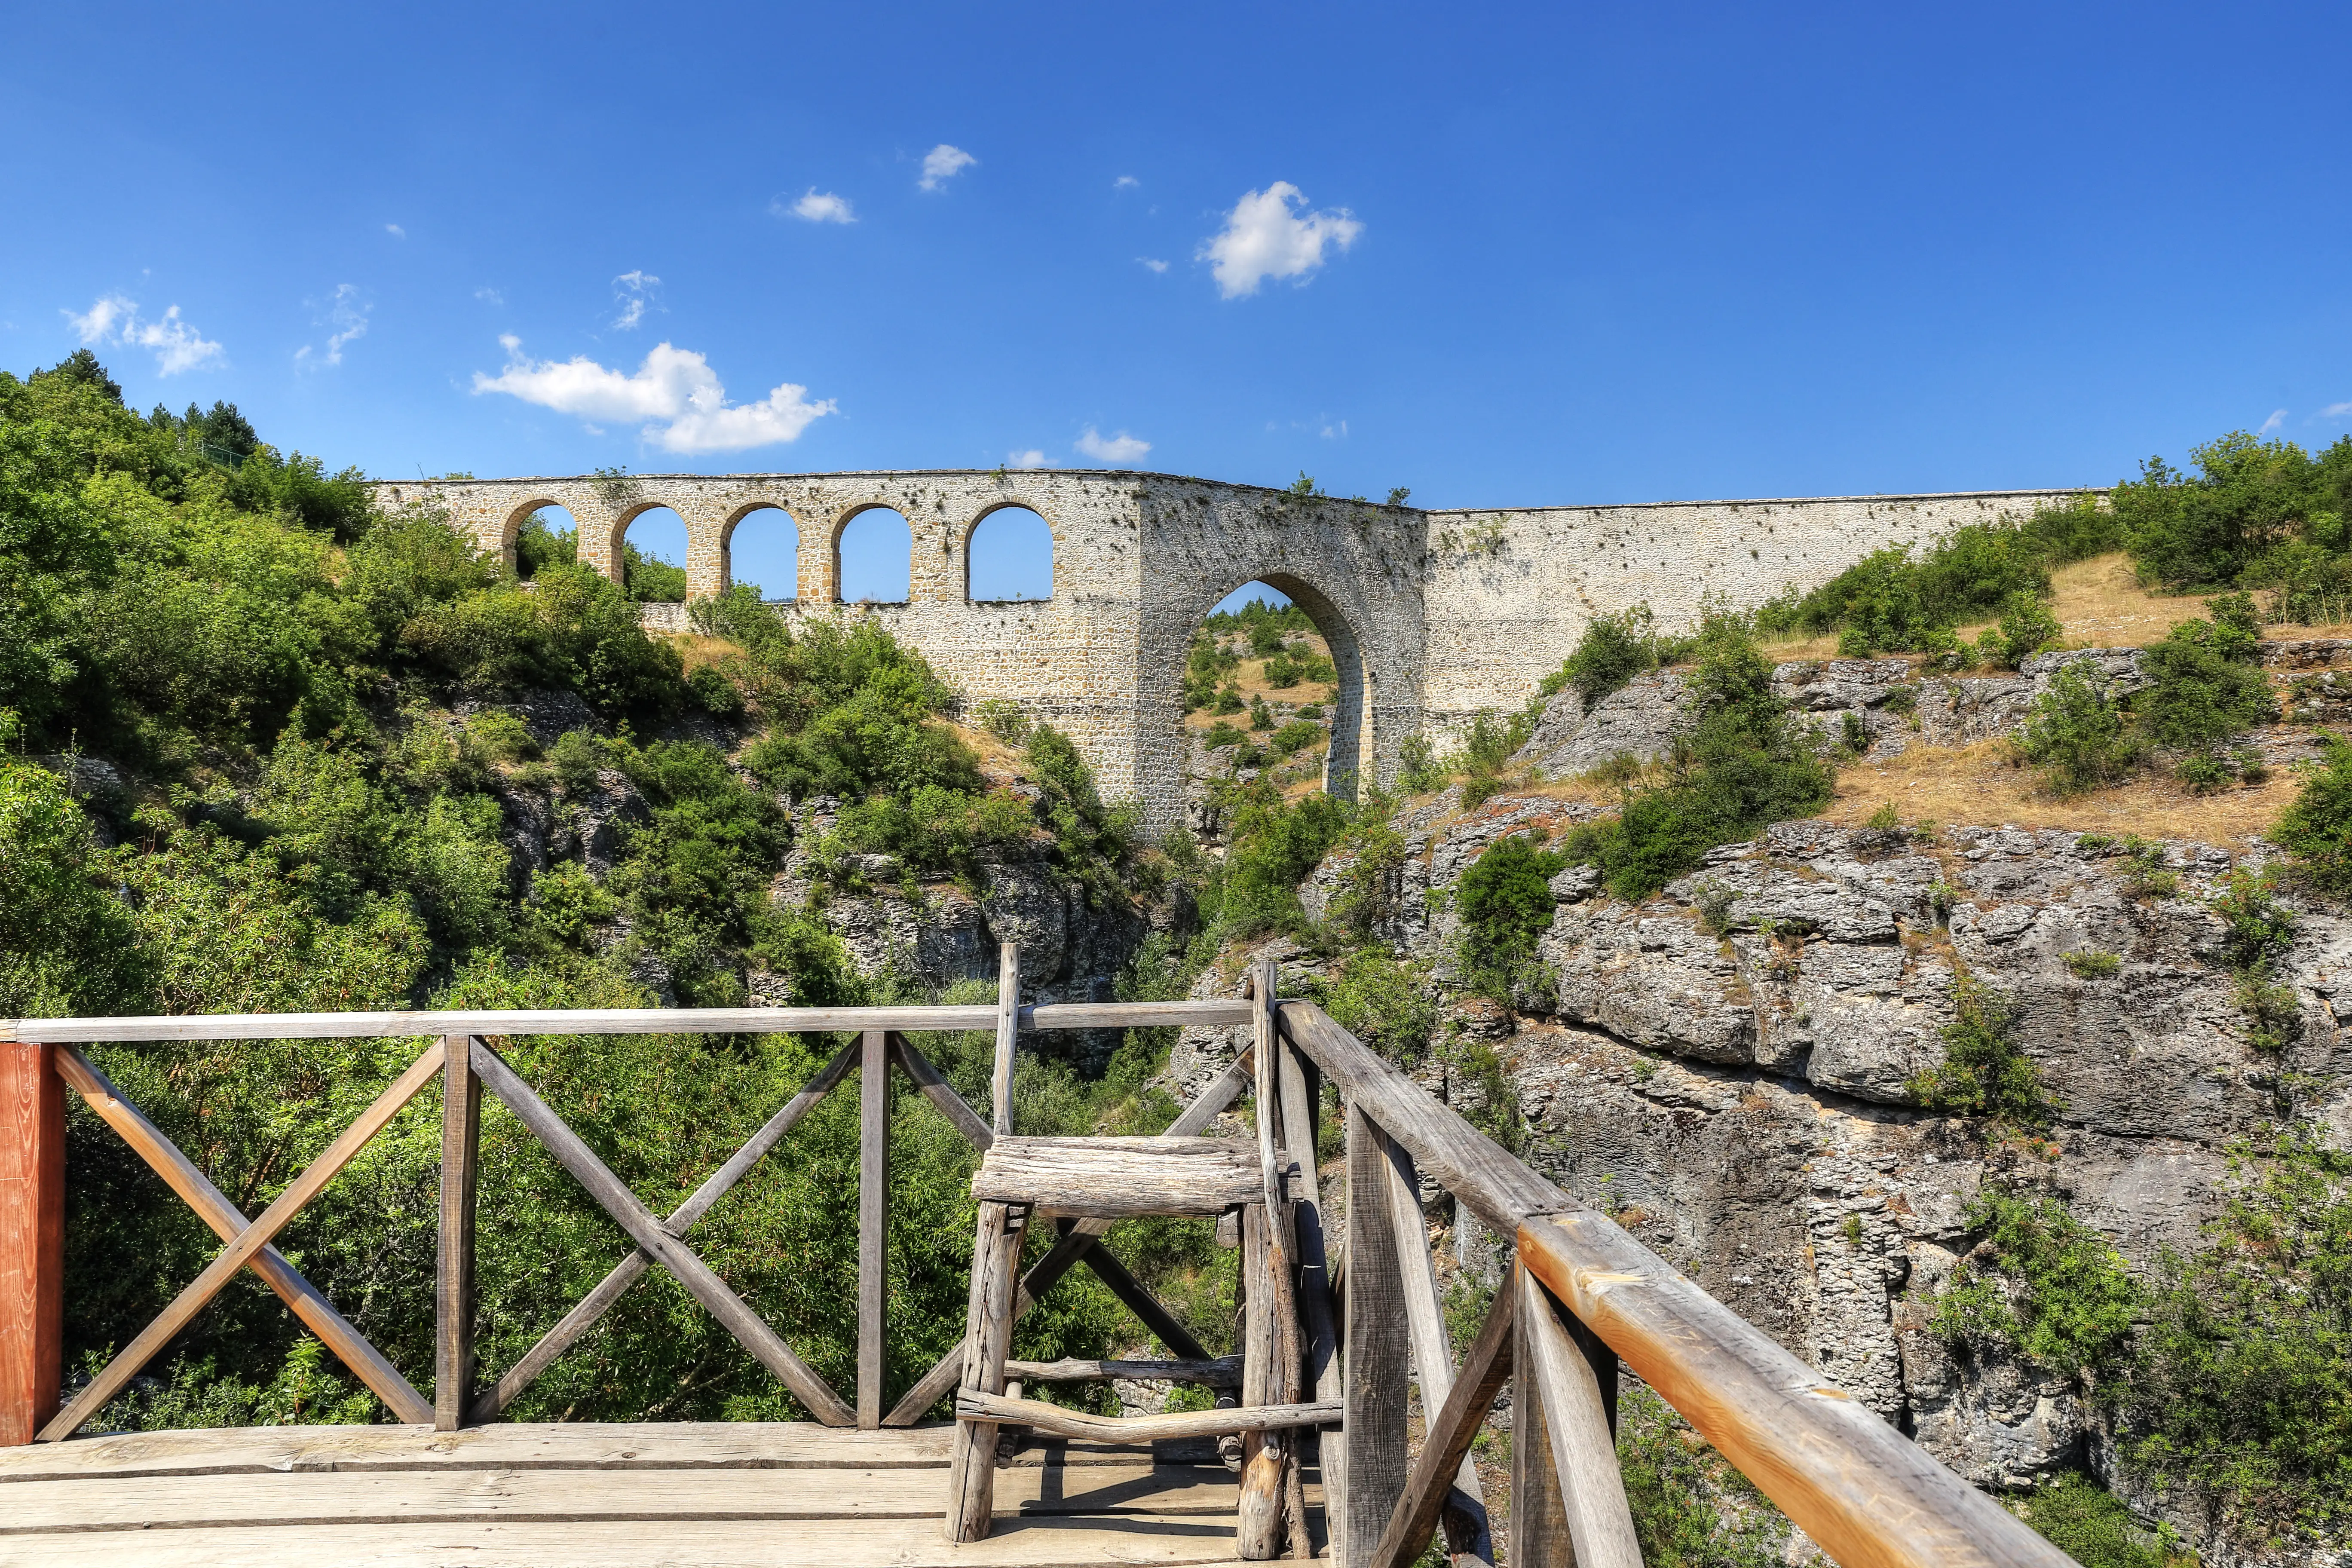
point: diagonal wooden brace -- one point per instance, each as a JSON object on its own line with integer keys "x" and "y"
{"x": 242, "y": 1250}
{"x": 612, "y": 1195}
{"x": 492, "y": 1402}
{"x": 212, "y": 1205}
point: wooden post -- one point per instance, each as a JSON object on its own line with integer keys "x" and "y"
{"x": 987, "y": 1340}
{"x": 453, "y": 1279}
{"x": 1301, "y": 1096}
{"x": 1377, "y": 1338}
{"x": 873, "y": 1224}
{"x": 32, "y": 1239}
{"x": 1598, "y": 1525}
{"x": 1258, "y": 1535}
{"x": 1538, "y": 1522}
{"x": 1008, "y": 1033}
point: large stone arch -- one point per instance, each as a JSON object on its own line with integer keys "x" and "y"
{"x": 830, "y": 592}
{"x": 511, "y": 529}
{"x": 719, "y": 575}
{"x": 602, "y": 549}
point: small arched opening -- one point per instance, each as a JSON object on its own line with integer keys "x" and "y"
{"x": 873, "y": 558}
{"x": 763, "y": 554}
{"x": 653, "y": 557}
{"x": 1272, "y": 687}
{"x": 1009, "y": 557}
{"x": 545, "y": 536}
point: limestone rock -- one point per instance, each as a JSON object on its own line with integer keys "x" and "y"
{"x": 1641, "y": 721}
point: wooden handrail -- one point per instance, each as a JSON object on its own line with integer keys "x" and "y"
{"x": 1208, "y": 1014}
{"x": 1869, "y": 1496}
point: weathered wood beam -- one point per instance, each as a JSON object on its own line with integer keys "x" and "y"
{"x": 212, "y": 1205}
{"x": 873, "y": 1225}
{"x": 1219, "y": 1372}
{"x": 1212, "y": 1013}
{"x": 1301, "y": 1110}
{"x": 1584, "y": 1453}
{"x": 453, "y": 1274}
{"x": 630, "y": 1269}
{"x": 32, "y": 1239}
{"x": 240, "y": 1251}
{"x": 987, "y": 1336}
{"x": 1452, "y": 1427}
{"x": 1057, "y": 1422}
{"x": 936, "y": 1089}
{"x": 613, "y": 1196}
{"x": 1377, "y": 1340}
{"x": 1120, "y": 1178}
{"x": 1008, "y": 1038}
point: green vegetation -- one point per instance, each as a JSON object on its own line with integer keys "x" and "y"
{"x": 1611, "y": 652}
{"x": 2317, "y": 830}
{"x": 2205, "y": 689}
{"x": 2049, "y": 1287}
{"x": 2255, "y": 514}
{"x": 1505, "y": 903}
{"x": 2090, "y": 1524}
{"x": 1745, "y": 764}
{"x": 1691, "y": 1507}
{"x": 1983, "y": 1073}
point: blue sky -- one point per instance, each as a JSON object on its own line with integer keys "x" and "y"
{"x": 1556, "y": 254}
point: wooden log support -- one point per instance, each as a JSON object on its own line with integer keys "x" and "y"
{"x": 453, "y": 1274}
{"x": 630, "y": 1269}
{"x": 212, "y": 1205}
{"x": 974, "y": 1410}
{"x": 240, "y": 1251}
{"x": 1301, "y": 1098}
{"x": 1120, "y": 1178}
{"x": 936, "y": 1089}
{"x": 1258, "y": 1532}
{"x": 1538, "y": 1518}
{"x": 1453, "y": 1426}
{"x": 1286, "y": 1384}
{"x": 987, "y": 1338}
{"x": 1078, "y": 1243}
{"x": 32, "y": 1239}
{"x": 873, "y": 1225}
{"x": 1583, "y": 1452}
{"x": 612, "y": 1195}
{"x": 1008, "y": 1037}
{"x": 1377, "y": 1340}
{"x": 1222, "y": 1371}
{"x": 1467, "y": 1534}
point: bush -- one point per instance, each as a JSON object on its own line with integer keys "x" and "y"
{"x": 2317, "y": 830}
{"x": 2048, "y": 1287}
{"x": 1983, "y": 1073}
{"x": 2079, "y": 735}
{"x": 2026, "y": 626}
{"x": 2248, "y": 499}
{"x": 1691, "y": 1507}
{"x": 2090, "y": 1525}
{"x": 1505, "y": 904}
{"x": 1611, "y": 652}
{"x": 1383, "y": 1002}
{"x": 1296, "y": 736}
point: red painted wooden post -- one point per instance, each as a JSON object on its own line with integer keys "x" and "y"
{"x": 32, "y": 1239}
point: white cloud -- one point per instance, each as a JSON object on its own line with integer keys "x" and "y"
{"x": 1032, "y": 458}
{"x": 1335, "y": 430}
{"x": 2335, "y": 410}
{"x": 2277, "y": 418}
{"x": 1125, "y": 183}
{"x": 675, "y": 393}
{"x": 635, "y": 292}
{"x": 816, "y": 207}
{"x": 943, "y": 163}
{"x": 1263, "y": 239}
{"x": 348, "y": 314}
{"x": 1117, "y": 450}
{"x": 490, "y": 296}
{"x": 178, "y": 346}
{"x": 1155, "y": 266}
{"x": 394, "y": 230}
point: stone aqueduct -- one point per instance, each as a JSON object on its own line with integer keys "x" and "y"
{"x": 1432, "y": 616}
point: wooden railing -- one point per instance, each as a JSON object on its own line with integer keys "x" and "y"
{"x": 1355, "y": 1331}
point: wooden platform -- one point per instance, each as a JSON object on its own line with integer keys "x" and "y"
{"x": 687, "y": 1494}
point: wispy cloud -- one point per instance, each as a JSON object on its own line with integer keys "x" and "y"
{"x": 1157, "y": 266}
{"x": 635, "y": 292}
{"x": 943, "y": 163}
{"x": 2277, "y": 418}
{"x": 2336, "y": 411}
{"x": 394, "y": 230}
{"x": 490, "y": 296}
{"x": 674, "y": 393}
{"x": 1125, "y": 183}
{"x": 347, "y": 312}
{"x": 816, "y": 206}
{"x": 1117, "y": 450}
{"x": 178, "y": 346}
{"x": 1264, "y": 238}
{"x": 1032, "y": 458}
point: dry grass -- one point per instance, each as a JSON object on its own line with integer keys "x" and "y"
{"x": 2099, "y": 603}
{"x": 1985, "y": 784}
{"x": 698, "y": 650}
{"x": 1249, "y": 679}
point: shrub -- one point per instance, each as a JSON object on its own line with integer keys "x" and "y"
{"x": 1220, "y": 735}
{"x": 1983, "y": 1073}
{"x": 1296, "y": 736}
{"x": 2026, "y": 626}
{"x": 2049, "y": 1287}
{"x": 1691, "y": 1508}
{"x": 2248, "y": 497}
{"x": 2079, "y": 735}
{"x": 2205, "y": 688}
{"x": 2093, "y": 966}
{"x": 1382, "y": 1002}
{"x": 2090, "y": 1525}
{"x": 1274, "y": 844}
{"x": 1611, "y": 652}
{"x": 1004, "y": 718}
{"x": 2316, "y": 829}
{"x": 1505, "y": 904}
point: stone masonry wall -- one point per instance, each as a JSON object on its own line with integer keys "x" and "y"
{"x": 1432, "y": 617}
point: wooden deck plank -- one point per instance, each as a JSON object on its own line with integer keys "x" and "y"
{"x": 555, "y": 1496}
{"x": 683, "y": 1445}
{"x": 1158, "y": 1539}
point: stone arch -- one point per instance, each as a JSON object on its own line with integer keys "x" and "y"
{"x": 517, "y": 517}
{"x": 1053, "y": 547}
{"x": 726, "y": 573}
{"x": 1353, "y": 757}
{"x": 602, "y": 548}
{"x": 841, "y": 520}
